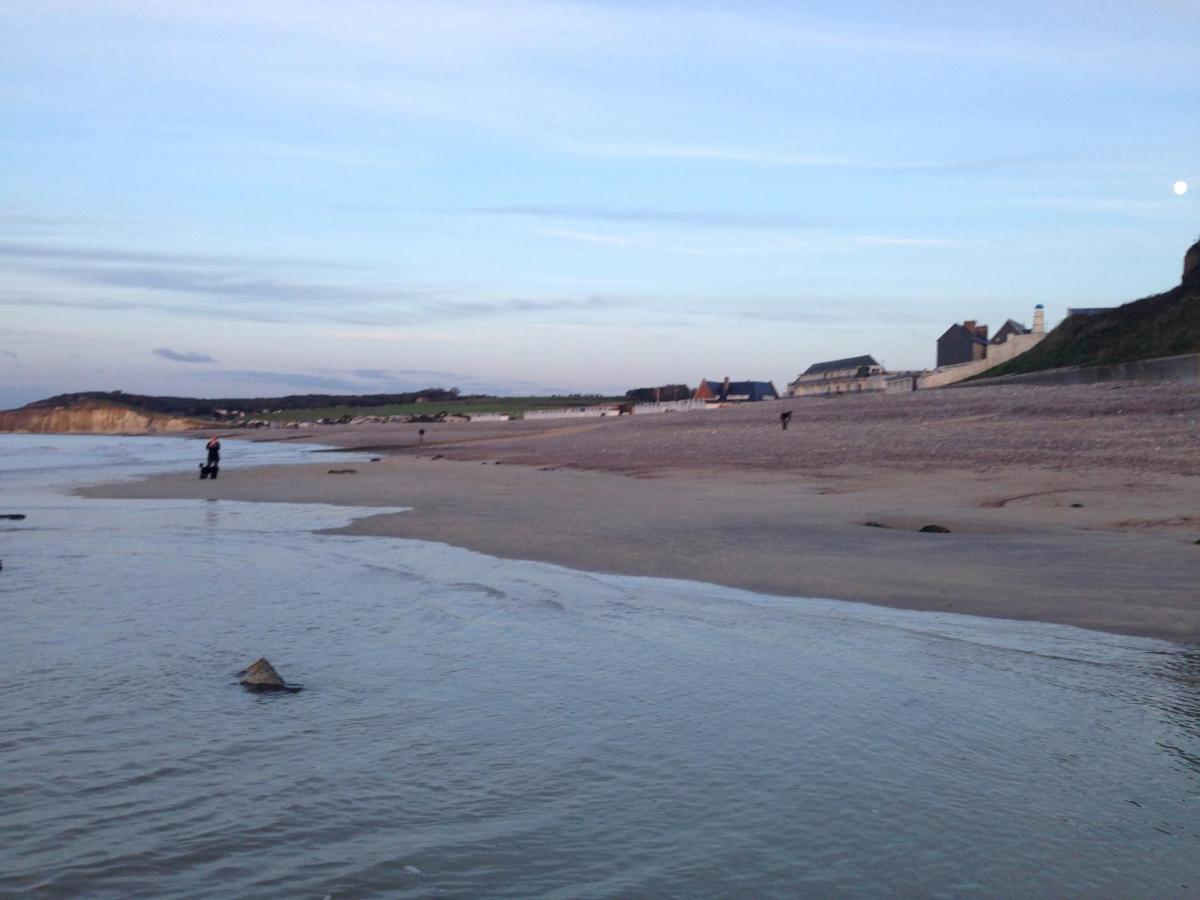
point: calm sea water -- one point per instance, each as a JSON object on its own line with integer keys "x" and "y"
{"x": 471, "y": 726}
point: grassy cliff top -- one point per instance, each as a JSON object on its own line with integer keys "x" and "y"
{"x": 1162, "y": 325}
{"x": 311, "y": 406}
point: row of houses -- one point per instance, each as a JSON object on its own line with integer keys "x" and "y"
{"x": 963, "y": 350}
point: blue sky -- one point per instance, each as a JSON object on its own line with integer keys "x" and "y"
{"x": 253, "y": 198}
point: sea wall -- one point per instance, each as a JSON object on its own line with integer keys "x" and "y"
{"x": 997, "y": 354}
{"x": 666, "y": 406}
{"x": 574, "y": 412}
{"x": 1184, "y": 369}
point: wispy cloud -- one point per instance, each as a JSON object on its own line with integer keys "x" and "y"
{"x": 521, "y": 305}
{"x": 22, "y": 251}
{"x": 395, "y": 335}
{"x": 785, "y": 159}
{"x": 183, "y": 357}
{"x": 249, "y": 288}
{"x": 398, "y": 374}
{"x": 292, "y": 380}
{"x": 693, "y": 218}
{"x": 883, "y": 240}
{"x": 715, "y": 154}
{"x": 10, "y": 354}
{"x": 1104, "y": 205}
{"x": 682, "y": 244}
{"x": 592, "y": 237}
{"x": 246, "y": 288}
{"x": 190, "y": 310}
{"x": 39, "y": 222}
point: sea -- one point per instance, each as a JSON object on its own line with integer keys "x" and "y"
{"x": 478, "y": 727}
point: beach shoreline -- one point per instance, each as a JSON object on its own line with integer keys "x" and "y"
{"x": 1062, "y": 535}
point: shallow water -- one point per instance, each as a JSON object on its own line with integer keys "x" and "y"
{"x": 475, "y": 726}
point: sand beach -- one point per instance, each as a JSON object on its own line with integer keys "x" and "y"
{"x": 1077, "y": 505}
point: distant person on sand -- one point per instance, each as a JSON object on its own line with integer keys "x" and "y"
{"x": 214, "y": 451}
{"x": 784, "y": 418}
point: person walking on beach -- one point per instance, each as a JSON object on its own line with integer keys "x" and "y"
{"x": 214, "y": 451}
{"x": 784, "y": 418}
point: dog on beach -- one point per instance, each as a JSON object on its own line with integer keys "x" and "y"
{"x": 209, "y": 470}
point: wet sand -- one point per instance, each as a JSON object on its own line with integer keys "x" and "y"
{"x": 1075, "y": 505}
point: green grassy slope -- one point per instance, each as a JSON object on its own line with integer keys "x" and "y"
{"x": 1163, "y": 325}
{"x": 313, "y": 406}
{"x": 513, "y": 406}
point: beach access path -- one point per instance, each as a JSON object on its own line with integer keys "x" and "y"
{"x": 1077, "y": 505}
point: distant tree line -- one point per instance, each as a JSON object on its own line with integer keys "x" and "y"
{"x": 662, "y": 394}
{"x": 210, "y": 408}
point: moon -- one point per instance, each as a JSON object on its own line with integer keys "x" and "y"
{"x": 1180, "y": 188}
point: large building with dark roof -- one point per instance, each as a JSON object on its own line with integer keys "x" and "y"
{"x": 852, "y": 375}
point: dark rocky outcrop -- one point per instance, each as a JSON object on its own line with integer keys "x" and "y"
{"x": 1191, "y": 266}
{"x": 935, "y": 529}
{"x": 261, "y": 676}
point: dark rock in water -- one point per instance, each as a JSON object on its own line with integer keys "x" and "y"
{"x": 874, "y": 525}
{"x": 16, "y": 517}
{"x": 376, "y": 459}
{"x": 343, "y": 471}
{"x": 260, "y": 675}
{"x": 1076, "y": 506}
{"x": 935, "y": 529}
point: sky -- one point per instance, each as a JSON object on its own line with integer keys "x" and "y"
{"x": 258, "y": 198}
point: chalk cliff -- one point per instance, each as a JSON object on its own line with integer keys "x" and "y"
{"x": 90, "y": 418}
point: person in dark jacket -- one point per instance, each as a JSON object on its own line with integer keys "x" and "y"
{"x": 214, "y": 451}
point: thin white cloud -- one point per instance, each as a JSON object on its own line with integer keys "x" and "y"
{"x": 715, "y": 154}
{"x": 470, "y": 31}
{"x": 485, "y": 62}
{"x": 696, "y": 218}
{"x": 765, "y": 245}
{"x": 395, "y": 336}
{"x": 883, "y": 240}
{"x": 590, "y": 237}
{"x": 1105, "y": 204}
